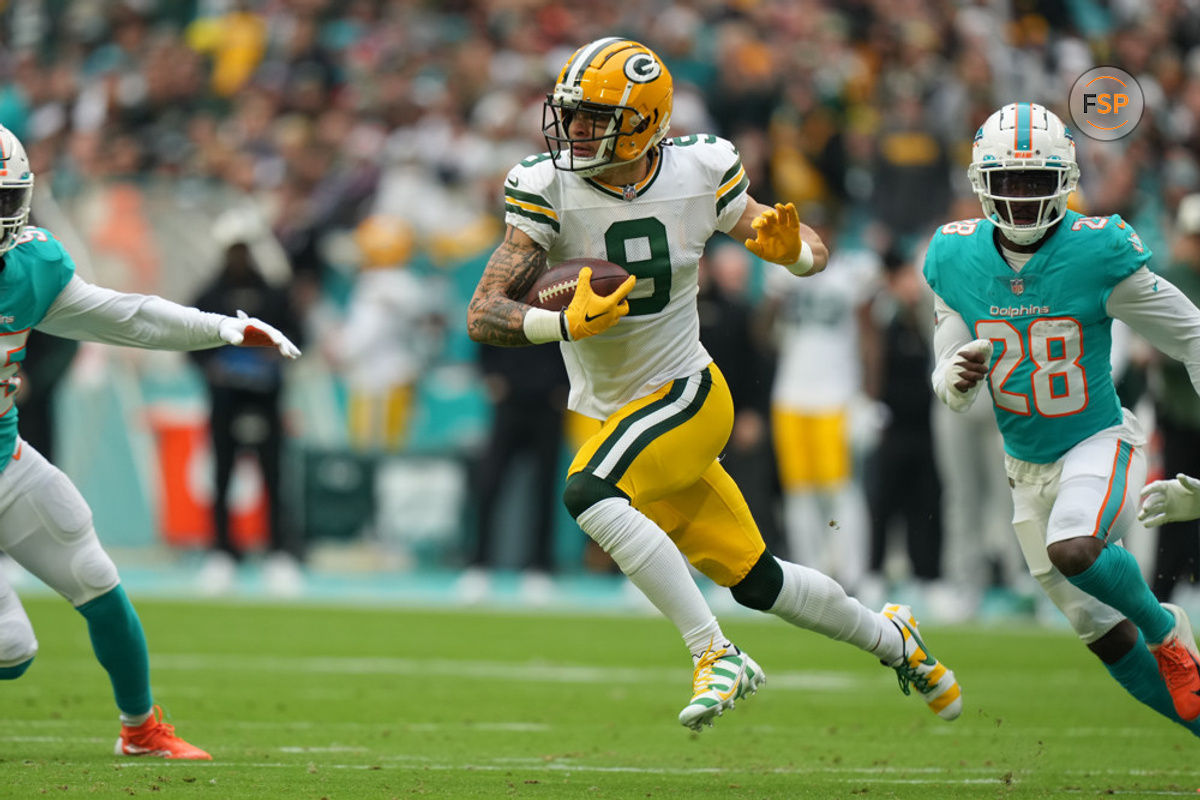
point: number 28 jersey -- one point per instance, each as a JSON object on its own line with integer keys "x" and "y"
{"x": 1050, "y": 378}
{"x": 655, "y": 229}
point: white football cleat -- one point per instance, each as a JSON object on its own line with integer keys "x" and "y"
{"x": 722, "y": 675}
{"x": 918, "y": 667}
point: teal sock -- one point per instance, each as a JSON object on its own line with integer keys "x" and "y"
{"x": 14, "y": 672}
{"x": 1115, "y": 578}
{"x": 120, "y": 646}
{"x": 1137, "y": 672}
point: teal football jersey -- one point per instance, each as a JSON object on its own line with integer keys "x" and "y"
{"x": 1051, "y": 377}
{"x": 32, "y": 275}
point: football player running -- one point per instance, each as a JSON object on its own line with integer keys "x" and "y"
{"x": 1025, "y": 299}
{"x": 648, "y": 484}
{"x": 45, "y": 524}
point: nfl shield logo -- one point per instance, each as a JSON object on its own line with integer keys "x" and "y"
{"x": 629, "y": 192}
{"x": 1017, "y": 285}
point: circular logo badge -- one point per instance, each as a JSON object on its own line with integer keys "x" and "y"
{"x": 1106, "y": 103}
{"x": 642, "y": 68}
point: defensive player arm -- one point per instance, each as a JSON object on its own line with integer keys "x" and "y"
{"x": 962, "y": 362}
{"x": 777, "y": 234}
{"x": 495, "y": 315}
{"x": 93, "y": 313}
{"x": 1163, "y": 315}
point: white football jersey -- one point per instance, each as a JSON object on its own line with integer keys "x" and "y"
{"x": 657, "y": 230}
{"x": 818, "y": 368}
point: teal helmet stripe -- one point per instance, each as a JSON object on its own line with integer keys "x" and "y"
{"x": 1024, "y": 135}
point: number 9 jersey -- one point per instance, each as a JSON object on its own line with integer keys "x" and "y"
{"x": 656, "y": 229}
{"x": 1050, "y": 376}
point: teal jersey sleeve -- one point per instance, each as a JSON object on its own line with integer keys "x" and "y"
{"x": 1120, "y": 251}
{"x": 1050, "y": 378}
{"x": 33, "y": 274}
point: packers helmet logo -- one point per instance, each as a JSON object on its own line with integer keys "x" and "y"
{"x": 642, "y": 68}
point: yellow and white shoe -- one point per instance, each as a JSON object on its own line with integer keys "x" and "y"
{"x": 722, "y": 675}
{"x": 918, "y": 668}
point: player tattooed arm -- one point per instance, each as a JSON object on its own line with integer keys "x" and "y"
{"x": 494, "y": 315}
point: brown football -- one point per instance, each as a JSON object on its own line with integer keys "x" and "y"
{"x": 555, "y": 288}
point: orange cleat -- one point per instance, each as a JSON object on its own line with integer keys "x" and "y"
{"x": 156, "y": 738}
{"x": 1179, "y": 663}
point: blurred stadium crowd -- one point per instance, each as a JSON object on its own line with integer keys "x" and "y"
{"x": 334, "y": 136}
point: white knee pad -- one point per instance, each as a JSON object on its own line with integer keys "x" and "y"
{"x": 80, "y": 570}
{"x": 17, "y": 642}
{"x": 94, "y": 572}
{"x": 65, "y": 514}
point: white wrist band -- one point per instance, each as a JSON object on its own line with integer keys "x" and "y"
{"x": 804, "y": 263}
{"x": 543, "y": 326}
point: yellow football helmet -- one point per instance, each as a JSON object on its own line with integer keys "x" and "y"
{"x": 611, "y": 104}
{"x": 384, "y": 242}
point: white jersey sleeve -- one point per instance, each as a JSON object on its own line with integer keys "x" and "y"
{"x": 93, "y": 313}
{"x": 1153, "y": 307}
{"x": 529, "y": 199}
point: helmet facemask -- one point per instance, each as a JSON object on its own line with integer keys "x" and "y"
{"x": 16, "y": 190}
{"x": 609, "y": 133}
{"x": 1023, "y": 170}
{"x": 610, "y": 106}
{"x": 1024, "y": 203}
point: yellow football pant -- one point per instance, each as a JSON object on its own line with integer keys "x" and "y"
{"x": 812, "y": 450}
{"x": 661, "y": 452}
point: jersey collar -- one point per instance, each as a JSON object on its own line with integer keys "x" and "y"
{"x": 633, "y": 190}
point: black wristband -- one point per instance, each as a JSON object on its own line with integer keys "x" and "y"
{"x": 562, "y": 326}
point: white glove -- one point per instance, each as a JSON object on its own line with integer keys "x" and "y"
{"x": 1170, "y": 501}
{"x": 966, "y": 368}
{"x": 248, "y": 331}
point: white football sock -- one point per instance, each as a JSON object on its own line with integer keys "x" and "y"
{"x": 134, "y": 720}
{"x": 812, "y": 600}
{"x": 651, "y": 561}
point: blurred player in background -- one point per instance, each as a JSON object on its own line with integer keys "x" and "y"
{"x": 45, "y": 524}
{"x": 818, "y": 379}
{"x": 390, "y": 324}
{"x": 1026, "y": 298}
{"x": 649, "y": 484}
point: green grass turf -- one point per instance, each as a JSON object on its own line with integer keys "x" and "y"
{"x": 344, "y": 703}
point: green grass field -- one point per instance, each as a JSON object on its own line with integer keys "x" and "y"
{"x": 349, "y": 703}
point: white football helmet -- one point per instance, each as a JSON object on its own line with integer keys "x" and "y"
{"x": 16, "y": 189}
{"x": 1023, "y": 169}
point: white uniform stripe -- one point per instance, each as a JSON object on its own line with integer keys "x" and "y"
{"x": 631, "y": 434}
{"x": 585, "y": 58}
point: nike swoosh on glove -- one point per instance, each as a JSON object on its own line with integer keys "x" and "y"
{"x": 591, "y": 313}
{"x": 247, "y": 331}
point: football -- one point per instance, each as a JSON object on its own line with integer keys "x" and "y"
{"x": 555, "y": 288}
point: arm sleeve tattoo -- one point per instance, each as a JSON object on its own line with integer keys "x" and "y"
{"x": 495, "y": 315}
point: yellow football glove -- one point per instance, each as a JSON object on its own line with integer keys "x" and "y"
{"x": 777, "y": 238}
{"x": 590, "y": 313}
